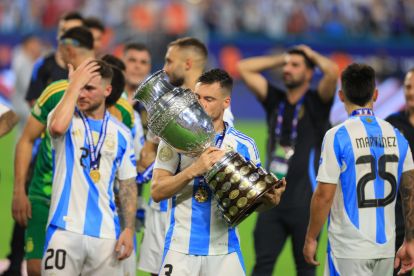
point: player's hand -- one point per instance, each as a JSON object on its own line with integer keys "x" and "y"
{"x": 21, "y": 208}
{"x": 207, "y": 159}
{"x": 311, "y": 54}
{"x": 405, "y": 257}
{"x": 272, "y": 197}
{"x": 125, "y": 244}
{"x": 83, "y": 74}
{"x": 309, "y": 251}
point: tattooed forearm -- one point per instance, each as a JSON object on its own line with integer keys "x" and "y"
{"x": 407, "y": 199}
{"x": 128, "y": 199}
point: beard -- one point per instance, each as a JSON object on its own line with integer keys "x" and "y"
{"x": 176, "y": 80}
{"x": 291, "y": 83}
{"x": 90, "y": 107}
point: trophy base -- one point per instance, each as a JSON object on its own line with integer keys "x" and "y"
{"x": 248, "y": 210}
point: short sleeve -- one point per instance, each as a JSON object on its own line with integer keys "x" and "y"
{"x": 48, "y": 100}
{"x": 408, "y": 162}
{"x": 167, "y": 158}
{"x": 329, "y": 162}
{"x": 273, "y": 97}
{"x": 138, "y": 134}
{"x": 127, "y": 167}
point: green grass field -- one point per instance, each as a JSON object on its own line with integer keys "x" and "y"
{"x": 255, "y": 129}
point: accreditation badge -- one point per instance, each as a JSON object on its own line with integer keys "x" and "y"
{"x": 279, "y": 164}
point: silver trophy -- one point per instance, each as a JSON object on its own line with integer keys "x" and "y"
{"x": 176, "y": 116}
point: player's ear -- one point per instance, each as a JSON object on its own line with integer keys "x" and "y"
{"x": 227, "y": 101}
{"x": 108, "y": 90}
{"x": 341, "y": 95}
{"x": 375, "y": 95}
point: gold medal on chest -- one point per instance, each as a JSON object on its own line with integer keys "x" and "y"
{"x": 201, "y": 195}
{"x": 95, "y": 175}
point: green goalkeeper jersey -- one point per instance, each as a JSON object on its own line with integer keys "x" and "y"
{"x": 41, "y": 182}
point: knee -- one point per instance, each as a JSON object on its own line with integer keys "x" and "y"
{"x": 34, "y": 267}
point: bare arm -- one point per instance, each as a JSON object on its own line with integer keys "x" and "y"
{"x": 405, "y": 254}
{"x": 128, "y": 199}
{"x": 250, "y": 71}
{"x": 7, "y": 121}
{"x": 21, "y": 208}
{"x": 165, "y": 184}
{"x": 407, "y": 199}
{"x": 319, "y": 210}
{"x": 63, "y": 113}
{"x": 147, "y": 155}
{"x": 327, "y": 85}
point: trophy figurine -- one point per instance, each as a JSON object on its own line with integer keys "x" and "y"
{"x": 175, "y": 115}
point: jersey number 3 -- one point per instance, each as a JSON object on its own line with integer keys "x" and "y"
{"x": 382, "y": 161}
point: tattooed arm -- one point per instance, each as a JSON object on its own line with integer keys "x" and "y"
{"x": 405, "y": 255}
{"x": 128, "y": 199}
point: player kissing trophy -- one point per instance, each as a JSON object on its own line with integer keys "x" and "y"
{"x": 176, "y": 116}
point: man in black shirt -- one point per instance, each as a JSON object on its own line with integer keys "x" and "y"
{"x": 297, "y": 120}
{"x": 404, "y": 121}
{"x": 50, "y": 68}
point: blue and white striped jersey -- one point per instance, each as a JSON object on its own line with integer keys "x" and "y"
{"x": 78, "y": 204}
{"x": 365, "y": 156}
{"x": 197, "y": 228}
{"x": 138, "y": 134}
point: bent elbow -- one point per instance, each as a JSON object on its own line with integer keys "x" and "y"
{"x": 155, "y": 194}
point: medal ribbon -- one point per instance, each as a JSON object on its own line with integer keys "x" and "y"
{"x": 220, "y": 138}
{"x": 362, "y": 111}
{"x": 279, "y": 121}
{"x": 94, "y": 151}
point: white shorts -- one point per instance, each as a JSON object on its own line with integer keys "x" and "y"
{"x": 70, "y": 253}
{"x": 152, "y": 245}
{"x": 180, "y": 264}
{"x": 366, "y": 267}
{"x": 129, "y": 265}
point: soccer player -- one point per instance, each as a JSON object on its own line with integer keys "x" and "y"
{"x": 8, "y": 119}
{"x": 51, "y": 67}
{"x": 91, "y": 150}
{"x": 364, "y": 162}
{"x": 297, "y": 118}
{"x": 185, "y": 61}
{"x": 404, "y": 121}
{"x": 97, "y": 29}
{"x": 198, "y": 240}
{"x": 76, "y": 45}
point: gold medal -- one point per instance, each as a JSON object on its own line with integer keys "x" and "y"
{"x": 201, "y": 195}
{"x": 95, "y": 175}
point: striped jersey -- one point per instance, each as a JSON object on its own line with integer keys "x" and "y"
{"x": 365, "y": 156}
{"x": 198, "y": 228}
{"x": 41, "y": 184}
{"x": 163, "y": 204}
{"x": 78, "y": 204}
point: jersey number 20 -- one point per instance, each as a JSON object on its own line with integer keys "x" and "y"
{"x": 382, "y": 161}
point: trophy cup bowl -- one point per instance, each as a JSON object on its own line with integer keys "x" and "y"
{"x": 176, "y": 116}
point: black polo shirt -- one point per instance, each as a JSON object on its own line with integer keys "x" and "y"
{"x": 313, "y": 122}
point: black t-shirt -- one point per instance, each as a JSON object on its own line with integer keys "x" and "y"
{"x": 401, "y": 121}
{"x": 45, "y": 71}
{"x": 313, "y": 123}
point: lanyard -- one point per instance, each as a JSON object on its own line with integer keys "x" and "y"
{"x": 94, "y": 151}
{"x": 220, "y": 138}
{"x": 362, "y": 111}
{"x": 279, "y": 123}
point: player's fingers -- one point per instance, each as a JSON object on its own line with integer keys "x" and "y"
{"x": 29, "y": 210}
{"x": 118, "y": 245}
{"x": 396, "y": 262}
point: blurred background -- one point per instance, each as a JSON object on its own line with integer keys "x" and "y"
{"x": 377, "y": 32}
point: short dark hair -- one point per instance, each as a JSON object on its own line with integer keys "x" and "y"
{"x": 105, "y": 70}
{"x": 217, "y": 75}
{"x": 136, "y": 46}
{"x": 72, "y": 15}
{"x": 191, "y": 42}
{"x": 118, "y": 79}
{"x": 308, "y": 62}
{"x": 94, "y": 23}
{"x": 78, "y": 37}
{"x": 358, "y": 83}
